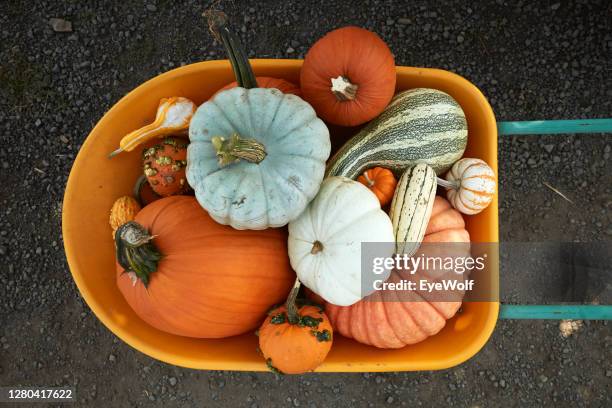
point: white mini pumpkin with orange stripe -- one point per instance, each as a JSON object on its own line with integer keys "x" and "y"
{"x": 470, "y": 185}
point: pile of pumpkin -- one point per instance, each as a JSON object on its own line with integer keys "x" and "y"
{"x": 214, "y": 265}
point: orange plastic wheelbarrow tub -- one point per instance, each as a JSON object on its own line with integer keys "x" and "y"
{"x": 95, "y": 182}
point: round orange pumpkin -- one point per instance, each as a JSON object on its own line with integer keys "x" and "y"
{"x": 211, "y": 280}
{"x": 394, "y": 319}
{"x": 381, "y": 182}
{"x": 348, "y": 76}
{"x": 269, "y": 82}
{"x": 295, "y": 341}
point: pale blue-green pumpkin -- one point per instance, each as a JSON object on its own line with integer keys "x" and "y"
{"x": 257, "y": 157}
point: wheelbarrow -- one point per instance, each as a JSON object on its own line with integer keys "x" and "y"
{"x": 91, "y": 191}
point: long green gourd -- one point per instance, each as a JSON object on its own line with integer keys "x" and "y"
{"x": 420, "y": 125}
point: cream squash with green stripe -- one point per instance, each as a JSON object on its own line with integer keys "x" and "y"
{"x": 411, "y": 207}
{"x": 419, "y": 126}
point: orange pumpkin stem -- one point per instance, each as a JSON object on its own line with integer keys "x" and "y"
{"x": 343, "y": 89}
{"x": 135, "y": 251}
{"x": 368, "y": 179}
{"x": 292, "y": 311}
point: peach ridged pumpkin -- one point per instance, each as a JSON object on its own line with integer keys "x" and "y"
{"x": 348, "y": 76}
{"x": 394, "y": 319}
{"x": 211, "y": 280}
{"x": 268, "y": 82}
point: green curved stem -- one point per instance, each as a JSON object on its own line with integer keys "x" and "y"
{"x": 135, "y": 251}
{"x": 218, "y": 23}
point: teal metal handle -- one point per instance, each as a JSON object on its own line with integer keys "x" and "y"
{"x": 556, "y": 312}
{"x": 549, "y": 127}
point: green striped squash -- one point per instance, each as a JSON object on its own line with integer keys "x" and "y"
{"x": 420, "y": 125}
{"x": 411, "y": 207}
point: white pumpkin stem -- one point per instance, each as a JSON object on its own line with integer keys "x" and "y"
{"x": 448, "y": 184}
{"x": 292, "y": 310}
{"x": 236, "y": 148}
{"x": 343, "y": 89}
{"x": 317, "y": 247}
{"x": 368, "y": 179}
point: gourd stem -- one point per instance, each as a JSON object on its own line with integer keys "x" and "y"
{"x": 292, "y": 310}
{"x": 448, "y": 184}
{"x": 218, "y": 23}
{"x": 135, "y": 251}
{"x": 343, "y": 89}
{"x": 236, "y": 148}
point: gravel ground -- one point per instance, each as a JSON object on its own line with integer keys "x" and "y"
{"x": 546, "y": 60}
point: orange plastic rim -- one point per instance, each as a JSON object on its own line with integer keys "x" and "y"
{"x": 95, "y": 182}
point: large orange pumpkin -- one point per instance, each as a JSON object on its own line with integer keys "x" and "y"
{"x": 348, "y": 76}
{"x": 212, "y": 280}
{"x": 269, "y": 82}
{"x": 394, "y": 319}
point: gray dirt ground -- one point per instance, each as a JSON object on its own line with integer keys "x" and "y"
{"x": 549, "y": 60}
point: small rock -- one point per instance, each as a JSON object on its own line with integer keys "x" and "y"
{"x": 112, "y": 358}
{"x": 172, "y": 381}
{"x": 555, "y": 6}
{"x": 38, "y": 250}
{"x": 290, "y": 50}
{"x": 609, "y": 373}
{"x": 460, "y": 39}
{"x": 556, "y": 159}
{"x": 390, "y": 400}
{"x": 549, "y": 147}
{"x": 543, "y": 378}
{"x": 151, "y": 7}
{"x": 60, "y": 25}
{"x": 403, "y": 21}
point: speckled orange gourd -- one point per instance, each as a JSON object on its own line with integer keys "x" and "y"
{"x": 164, "y": 166}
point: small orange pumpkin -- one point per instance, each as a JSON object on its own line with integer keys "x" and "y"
{"x": 392, "y": 319}
{"x": 295, "y": 341}
{"x": 348, "y": 76}
{"x": 381, "y": 181}
{"x": 269, "y": 82}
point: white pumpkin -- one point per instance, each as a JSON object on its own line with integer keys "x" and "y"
{"x": 325, "y": 240}
{"x": 470, "y": 185}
